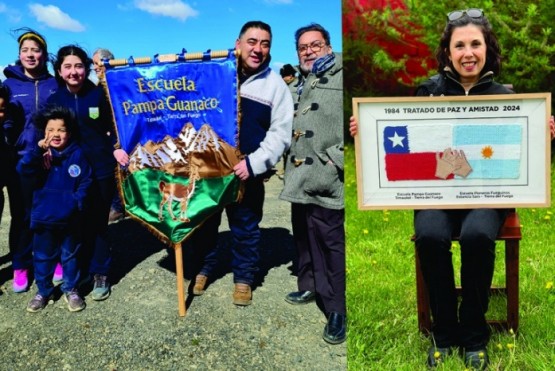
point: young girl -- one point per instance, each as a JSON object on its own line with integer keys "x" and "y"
{"x": 30, "y": 85}
{"x": 94, "y": 118}
{"x": 61, "y": 177}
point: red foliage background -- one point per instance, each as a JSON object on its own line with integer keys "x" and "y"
{"x": 361, "y": 72}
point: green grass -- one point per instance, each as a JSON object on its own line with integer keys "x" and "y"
{"x": 381, "y": 292}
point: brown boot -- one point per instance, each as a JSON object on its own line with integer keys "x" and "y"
{"x": 200, "y": 282}
{"x": 242, "y": 294}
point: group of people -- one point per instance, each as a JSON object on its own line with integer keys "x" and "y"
{"x": 57, "y": 158}
{"x": 63, "y": 154}
{"x": 305, "y": 122}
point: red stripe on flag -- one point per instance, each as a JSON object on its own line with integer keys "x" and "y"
{"x": 411, "y": 166}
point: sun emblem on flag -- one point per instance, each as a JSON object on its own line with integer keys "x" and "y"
{"x": 487, "y": 152}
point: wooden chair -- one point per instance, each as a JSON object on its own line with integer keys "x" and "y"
{"x": 511, "y": 234}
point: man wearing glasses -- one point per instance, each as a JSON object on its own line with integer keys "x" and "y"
{"x": 314, "y": 180}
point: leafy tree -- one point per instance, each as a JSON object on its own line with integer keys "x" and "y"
{"x": 523, "y": 29}
{"x": 381, "y": 56}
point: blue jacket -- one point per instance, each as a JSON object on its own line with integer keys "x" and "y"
{"x": 60, "y": 192}
{"x": 96, "y": 129}
{"x": 28, "y": 96}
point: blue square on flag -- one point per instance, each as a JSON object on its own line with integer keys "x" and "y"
{"x": 395, "y": 139}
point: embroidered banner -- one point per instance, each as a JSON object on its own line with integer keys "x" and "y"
{"x": 178, "y": 121}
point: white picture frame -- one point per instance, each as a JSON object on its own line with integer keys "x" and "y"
{"x": 498, "y": 152}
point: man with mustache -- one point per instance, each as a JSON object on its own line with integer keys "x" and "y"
{"x": 314, "y": 181}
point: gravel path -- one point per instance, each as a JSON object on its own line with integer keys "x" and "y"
{"x": 138, "y": 327}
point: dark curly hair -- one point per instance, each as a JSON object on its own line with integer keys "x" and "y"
{"x": 493, "y": 51}
{"x": 71, "y": 50}
{"x": 54, "y": 112}
{"x": 312, "y": 27}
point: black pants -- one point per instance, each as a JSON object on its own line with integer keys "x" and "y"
{"x": 319, "y": 236}
{"x": 478, "y": 230}
{"x": 244, "y": 219}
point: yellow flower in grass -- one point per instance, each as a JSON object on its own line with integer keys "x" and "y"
{"x": 547, "y": 217}
{"x": 510, "y": 346}
{"x": 550, "y": 213}
{"x": 499, "y": 346}
{"x": 549, "y": 285}
{"x": 365, "y": 231}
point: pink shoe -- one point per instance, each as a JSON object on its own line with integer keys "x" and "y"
{"x": 20, "y": 281}
{"x": 58, "y": 274}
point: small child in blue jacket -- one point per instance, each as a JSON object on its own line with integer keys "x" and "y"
{"x": 61, "y": 177}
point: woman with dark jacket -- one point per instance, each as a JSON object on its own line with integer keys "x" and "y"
{"x": 30, "y": 84}
{"x": 94, "y": 117}
{"x": 469, "y": 57}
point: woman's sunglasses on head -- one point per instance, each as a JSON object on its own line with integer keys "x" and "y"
{"x": 472, "y": 13}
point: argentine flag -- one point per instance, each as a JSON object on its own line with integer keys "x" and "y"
{"x": 493, "y": 151}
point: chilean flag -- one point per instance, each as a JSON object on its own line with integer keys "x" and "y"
{"x": 492, "y": 151}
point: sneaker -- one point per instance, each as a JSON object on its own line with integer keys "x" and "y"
{"x": 101, "y": 288}
{"x": 74, "y": 302}
{"x": 58, "y": 274}
{"x": 37, "y": 303}
{"x": 20, "y": 280}
{"x": 200, "y": 282}
{"x": 476, "y": 360}
{"x": 242, "y": 295}
{"x": 437, "y": 355}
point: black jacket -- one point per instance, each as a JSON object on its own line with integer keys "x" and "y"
{"x": 447, "y": 84}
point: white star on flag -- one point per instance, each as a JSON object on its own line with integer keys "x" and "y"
{"x": 396, "y": 140}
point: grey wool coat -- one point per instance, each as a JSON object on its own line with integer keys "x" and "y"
{"x": 314, "y": 163}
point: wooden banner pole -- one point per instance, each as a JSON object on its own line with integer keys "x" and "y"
{"x": 179, "y": 276}
{"x": 171, "y": 58}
